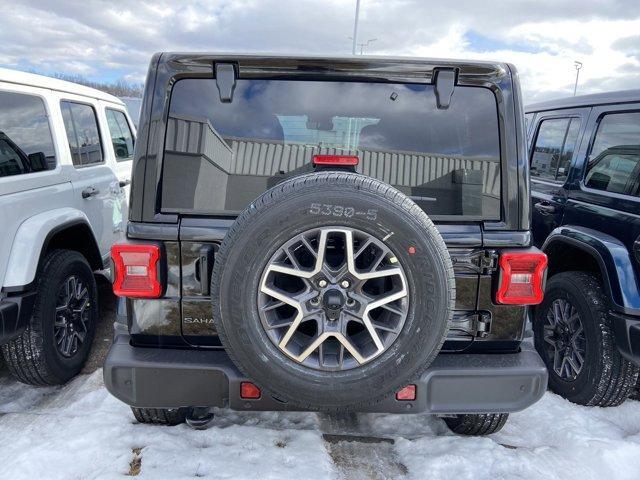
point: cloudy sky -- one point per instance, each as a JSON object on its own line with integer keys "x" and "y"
{"x": 114, "y": 40}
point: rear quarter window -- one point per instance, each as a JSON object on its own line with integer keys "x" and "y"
{"x": 220, "y": 156}
{"x": 81, "y": 125}
{"x": 553, "y": 148}
{"x": 121, "y": 136}
{"x": 614, "y": 162}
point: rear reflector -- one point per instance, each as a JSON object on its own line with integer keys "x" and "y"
{"x": 136, "y": 272}
{"x": 407, "y": 393}
{"x": 521, "y": 278}
{"x": 338, "y": 160}
{"x": 249, "y": 391}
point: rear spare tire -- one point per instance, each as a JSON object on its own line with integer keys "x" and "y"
{"x": 333, "y": 290}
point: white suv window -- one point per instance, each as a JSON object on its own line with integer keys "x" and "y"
{"x": 26, "y": 145}
{"x": 81, "y": 125}
{"x": 121, "y": 136}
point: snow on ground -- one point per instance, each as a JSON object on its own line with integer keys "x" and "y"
{"x": 80, "y": 432}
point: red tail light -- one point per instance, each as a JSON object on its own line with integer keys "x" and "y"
{"x": 521, "y": 278}
{"x": 337, "y": 160}
{"x": 249, "y": 391}
{"x": 136, "y": 270}
{"x": 407, "y": 393}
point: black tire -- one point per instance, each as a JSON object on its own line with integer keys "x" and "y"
{"x": 636, "y": 391}
{"x": 160, "y": 416}
{"x": 286, "y": 210}
{"x": 606, "y": 378}
{"x": 33, "y": 357}
{"x": 476, "y": 424}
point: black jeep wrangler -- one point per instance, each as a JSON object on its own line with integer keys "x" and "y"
{"x": 328, "y": 234}
{"x": 585, "y": 170}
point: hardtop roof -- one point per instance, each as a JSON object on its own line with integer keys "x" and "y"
{"x": 406, "y": 67}
{"x": 606, "y": 98}
{"x": 34, "y": 80}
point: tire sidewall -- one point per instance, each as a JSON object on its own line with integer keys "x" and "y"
{"x": 51, "y": 279}
{"x": 426, "y": 272}
{"x": 562, "y": 287}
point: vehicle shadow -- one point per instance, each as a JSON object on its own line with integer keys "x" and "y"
{"x": 104, "y": 331}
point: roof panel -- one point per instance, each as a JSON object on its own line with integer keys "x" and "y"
{"x": 34, "y": 80}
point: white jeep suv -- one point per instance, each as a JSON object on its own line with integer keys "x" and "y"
{"x": 65, "y": 166}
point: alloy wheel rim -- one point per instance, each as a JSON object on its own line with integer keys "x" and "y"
{"x": 565, "y": 339}
{"x": 72, "y": 316}
{"x": 333, "y": 298}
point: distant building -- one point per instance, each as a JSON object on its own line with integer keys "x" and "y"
{"x": 345, "y": 132}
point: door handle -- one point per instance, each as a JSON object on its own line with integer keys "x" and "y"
{"x": 204, "y": 265}
{"x": 124, "y": 183}
{"x": 90, "y": 192}
{"x": 544, "y": 207}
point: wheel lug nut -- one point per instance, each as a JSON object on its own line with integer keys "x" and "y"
{"x": 345, "y": 284}
{"x": 315, "y": 301}
{"x": 322, "y": 283}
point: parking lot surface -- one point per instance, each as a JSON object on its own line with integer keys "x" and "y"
{"x": 79, "y": 431}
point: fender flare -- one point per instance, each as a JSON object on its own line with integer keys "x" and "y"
{"x": 32, "y": 236}
{"x": 613, "y": 259}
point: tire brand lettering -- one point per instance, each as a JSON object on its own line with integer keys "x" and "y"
{"x": 342, "y": 211}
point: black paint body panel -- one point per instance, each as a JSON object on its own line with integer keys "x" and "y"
{"x": 184, "y": 315}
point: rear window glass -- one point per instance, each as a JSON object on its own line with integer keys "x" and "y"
{"x": 26, "y": 145}
{"x": 221, "y": 156}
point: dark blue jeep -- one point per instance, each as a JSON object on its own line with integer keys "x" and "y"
{"x": 585, "y": 185}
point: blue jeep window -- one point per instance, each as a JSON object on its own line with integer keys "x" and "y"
{"x": 614, "y": 163}
{"x": 221, "y": 156}
{"x": 554, "y": 147}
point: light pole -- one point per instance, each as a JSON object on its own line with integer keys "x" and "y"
{"x": 366, "y": 44}
{"x": 355, "y": 28}
{"x": 578, "y": 66}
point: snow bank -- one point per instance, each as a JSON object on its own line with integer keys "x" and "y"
{"x": 80, "y": 432}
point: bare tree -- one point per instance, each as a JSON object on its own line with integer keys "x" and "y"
{"x": 120, "y": 88}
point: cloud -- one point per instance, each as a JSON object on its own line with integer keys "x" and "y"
{"x": 112, "y": 40}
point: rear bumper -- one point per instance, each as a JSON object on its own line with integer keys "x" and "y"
{"x": 627, "y": 332}
{"x": 454, "y": 383}
{"x": 15, "y": 312}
